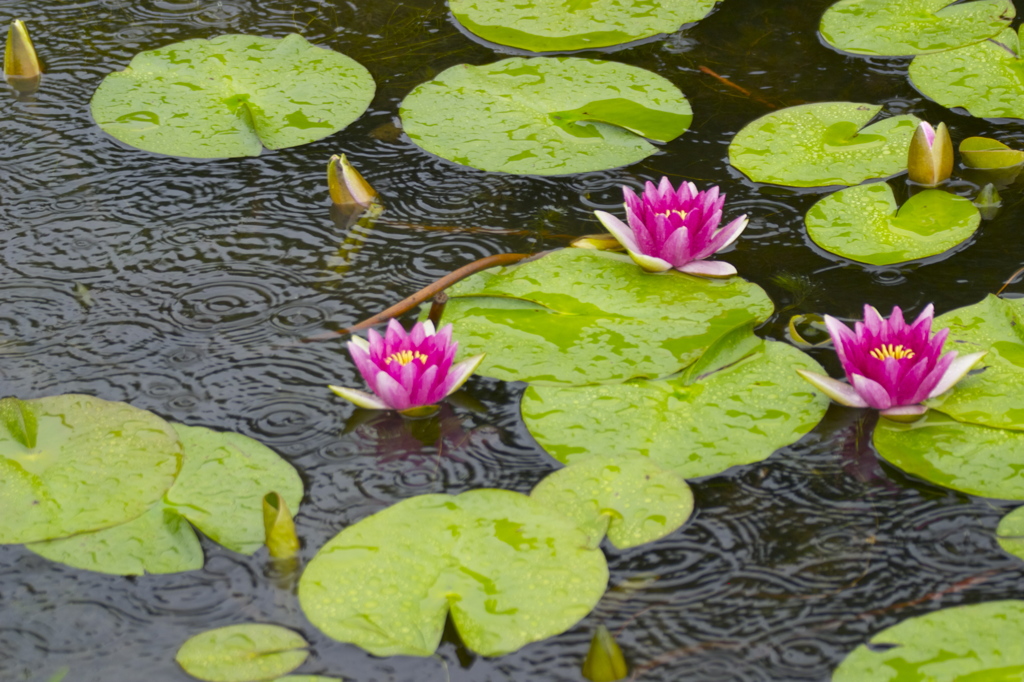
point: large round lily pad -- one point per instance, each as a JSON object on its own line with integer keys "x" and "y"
{"x": 974, "y": 459}
{"x": 243, "y": 653}
{"x": 510, "y": 569}
{"x": 545, "y": 115}
{"x": 74, "y": 463}
{"x": 864, "y": 224}
{"x": 910, "y": 27}
{"x": 973, "y": 643}
{"x": 631, "y": 498}
{"x": 692, "y": 424}
{"x": 222, "y": 483}
{"x": 232, "y": 96}
{"x": 985, "y": 79}
{"x": 578, "y": 316}
{"x": 994, "y": 396}
{"x": 829, "y": 143}
{"x": 554, "y": 25}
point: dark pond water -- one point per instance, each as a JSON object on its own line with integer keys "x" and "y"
{"x": 202, "y": 275}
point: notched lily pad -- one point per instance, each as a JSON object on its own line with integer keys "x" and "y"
{"x": 545, "y": 115}
{"x": 965, "y": 643}
{"x": 74, "y": 463}
{"x": 556, "y": 25}
{"x": 829, "y": 143}
{"x": 863, "y": 223}
{"x": 973, "y": 459}
{"x": 735, "y": 413}
{"x": 985, "y": 78}
{"x": 231, "y": 96}
{"x": 988, "y": 154}
{"x": 579, "y": 316}
{"x": 911, "y": 27}
{"x": 242, "y": 653}
{"x": 632, "y": 499}
{"x": 510, "y": 571}
{"x": 993, "y": 396}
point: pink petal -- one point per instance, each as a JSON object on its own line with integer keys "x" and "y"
{"x": 394, "y": 336}
{"x": 367, "y": 368}
{"x": 460, "y": 373}
{"x": 360, "y": 398}
{"x": 844, "y": 394}
{"x": 727, "y": 235}
{"x": 958, "y": 369}
{"x": 620, "y": 230}
{"x": 676, "y": 249}
{"x": 392, "y": 392}
{"x": 872, "y": 392}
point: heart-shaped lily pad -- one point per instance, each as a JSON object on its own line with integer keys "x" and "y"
{"x": 224, "y": 477}
{"x": 74, "y": 463}
{"x": 995, "y": 396}
{"x": 555, "y": 25}
{"x": 1010, "y": 532}
{"x": 578, "y": 316}
{"x": 725, "y": 416}
{"x": 863, "y": 223}
{"x": 909, "y": 27}
{"x": 829, "y": 143}
{"x": 974, "y": 459}
{"x": 243, "y": 653}
{"x": 545, "y": 115}
{"x": 973, "y": 643}
{"x": 986, "y": 153}
{"x": 159, "y": 541}
{"x": 986, "y": 79}
{"x": 232, "y": 96}
{"x": 510, "y": 570}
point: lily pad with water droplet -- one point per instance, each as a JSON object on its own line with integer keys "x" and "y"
{"x": 993, "y": 396}
{"x": 972, "y": 643}
{"x": 231, "y": 96}
{"x": 510, "y": 571}
{"x": 911, "y": 27}
{"x": 631, "y": 498}
{"x": 545, "y": 115}
{"x": 556, "y": 25}
{"x": 828, "y": 143}
{"x": 973, "y": 459}
{"x": 985, "y": 79}
{"x": 579, "y": 316}
{"x": 243, "y": 653}
{"x": 864, "y": 224}
{"x": 731, "y": 414}
{"x": 74, "y": 463}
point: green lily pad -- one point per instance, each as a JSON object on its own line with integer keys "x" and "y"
{"x": 545, "y": 115}
{"x": 231, "y": 96}
{"x": 579, "y": 316}
{"x": 159, "y": 541}
{"x": 510, "y": 571}
{"x": 555, "y": 25}
{"x": 631, "y": 498}
{"x": 995, "y": 396}
{"x": 242, "y": 653}
{"x": 988, "y": 154}
{"x": 222, "y": 483}
{"x": 733, "y": 414}
{"x": 910, "y": 27}
{"x": 1010, "y": 532}
{"x": 986, "y": 79}
{"x": 863, "y": 223}
{"x": 829, "y": 143}
{"x": 973, "y": 459}
{"x": 74, "y": 463}
{"x": 973, "y": 643}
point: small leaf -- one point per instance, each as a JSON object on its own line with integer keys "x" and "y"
{"x": 811, "y": 324}
{"x": 729, "y": 348}
{"x": 604, "y": 662}
{"x": 242, "y": 653}
{"x": 986, "y": 153}
{"x": 280, "y": 528}
{"x": 18, "y": 417}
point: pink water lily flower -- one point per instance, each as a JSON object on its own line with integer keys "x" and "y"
{"x": 671, "y": 228}
{"x": 409, "y": 372}
{"x": 892, "y": 366}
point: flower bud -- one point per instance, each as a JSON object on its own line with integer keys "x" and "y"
{"x": 930, "y": 159}
{"x": 604, "y": 662}
{"x": 346, "y": 185}
{"x": 21, "y": 64}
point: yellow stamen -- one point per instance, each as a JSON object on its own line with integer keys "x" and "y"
{"x": 404, "y": 357}
{"x": 887, "y": 350}
{"x": 681, "y": 214}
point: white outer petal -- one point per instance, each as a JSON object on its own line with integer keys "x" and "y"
{"x": 708, "y": 268}
{"x": 620, "y": 230}
{"x": 649, "y": 263}
{"x": 464, "y": 370}
{"x": 359, "y": 398}
{"x": 844, "y": 394}
{"x": 957, "y": 371}
{"x": 361, "y": 342}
